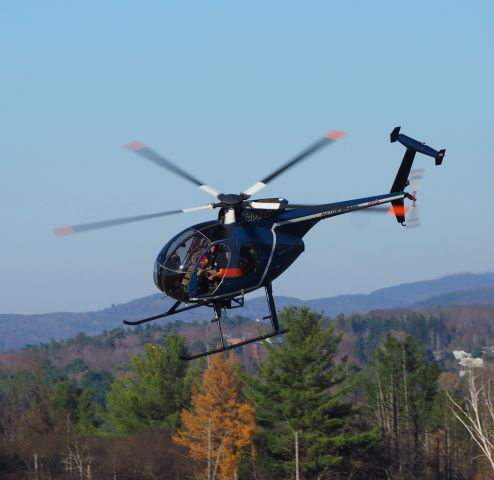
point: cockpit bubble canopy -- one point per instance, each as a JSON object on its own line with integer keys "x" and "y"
{"x": 177, "y": 260}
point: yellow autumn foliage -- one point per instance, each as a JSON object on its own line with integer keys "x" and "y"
{"x": 218, "y": 426}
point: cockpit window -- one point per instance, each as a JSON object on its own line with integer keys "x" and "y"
{"x": 247, "y": 259}
{"x": 186, "y": 248}
{"x": 176, "y": 262}
{"x": 186, "y": 253}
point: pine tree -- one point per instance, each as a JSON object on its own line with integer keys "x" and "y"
{"x": 401, "y": 386}
{"x": 219, "y": 425}
{"x": 303, "y": 411}
{"x": 155, "y": 391}
{"x": 74, "y": 406}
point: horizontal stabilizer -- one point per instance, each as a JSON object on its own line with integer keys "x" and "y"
{"x": 412, "y": 147}
{"x": 415, "y": 145}
{"x": 440, "y": 156}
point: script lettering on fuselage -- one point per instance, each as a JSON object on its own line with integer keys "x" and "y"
{"x": 337, "y": 211}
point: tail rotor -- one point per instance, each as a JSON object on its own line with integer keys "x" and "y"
{"x": 413, "y": 218}
{"x": 411, "y": 211}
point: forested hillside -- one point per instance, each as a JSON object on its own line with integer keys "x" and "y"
{"x": 440, "y": 330}
{"x": 17, "y": 331}
{"x": 374, "y": 396}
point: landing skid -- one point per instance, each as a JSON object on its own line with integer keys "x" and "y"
{"x": 224, "y": 348}
{"x": 275, "y": 327}
{"x": 172, "y": 311}
{"x": 218, "y": 306}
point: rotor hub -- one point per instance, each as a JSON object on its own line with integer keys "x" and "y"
{"x": 230, "y": 200}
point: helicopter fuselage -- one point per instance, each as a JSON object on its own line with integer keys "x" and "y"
{"x": 212, "y": 260}
{"x": 215, "y": 260}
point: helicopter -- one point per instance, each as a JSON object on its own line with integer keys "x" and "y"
{"x": 252, "y": 241}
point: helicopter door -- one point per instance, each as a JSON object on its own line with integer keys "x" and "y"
{"x": 213, "y": 266}
{"x": 247, "y": 259}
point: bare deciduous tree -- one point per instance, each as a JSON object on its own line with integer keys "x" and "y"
{"x": 78, "y": 460}
{"x": 477, "y": 415}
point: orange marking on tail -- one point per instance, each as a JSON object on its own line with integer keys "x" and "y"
{"x": 398, "y": 210}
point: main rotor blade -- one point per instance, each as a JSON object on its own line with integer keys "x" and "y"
{"x": 326, "y": 140}
{"x": 146, "y": 152}
{"x": 281, "y": 204}
{"x": 278, "y": 204}
{"x": 267, "y": 203}
{"x": 84, "y": 227}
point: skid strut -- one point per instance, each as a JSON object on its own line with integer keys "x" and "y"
{"x": 275, "y": 328}
{"x": 217, "y": 319}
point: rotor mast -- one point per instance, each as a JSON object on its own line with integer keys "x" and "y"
{"x": 230, "y": 203}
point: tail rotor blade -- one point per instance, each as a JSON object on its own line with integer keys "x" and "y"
{"x": 84, "y": 227}
{"x": 416, "y": 177}
{"x": 413, "y": 220}
{"x": 330, "y": 137}
{"x": 148, "y": 153}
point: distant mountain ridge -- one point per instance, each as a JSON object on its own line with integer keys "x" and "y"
{"x": 479, "y": 296}
{"x": 464, "y": 288}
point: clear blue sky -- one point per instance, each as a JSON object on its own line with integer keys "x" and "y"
{"x": 230, "y": 90}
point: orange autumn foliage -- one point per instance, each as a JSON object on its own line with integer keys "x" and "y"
{"x": 219, "y": 425}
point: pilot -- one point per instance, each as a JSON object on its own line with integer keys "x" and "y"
{"x": 209, "y": 264}
{"x": 203, "y": 263}
{"x": 221, "y": 266}
{"x": 173, "y": 262}
{"x": 213, "y": 254}
{"x": 204, "y": 271}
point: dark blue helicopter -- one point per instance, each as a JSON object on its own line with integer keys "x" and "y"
{"x": 252, "y": 242}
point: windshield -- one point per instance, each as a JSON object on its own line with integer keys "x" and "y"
{"x": 176, "y": 262}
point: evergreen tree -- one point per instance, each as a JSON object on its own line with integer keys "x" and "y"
{"x": 303, "y": 412}
{"x": 153, "y": 394}
{"x": 74, "y": 406}
{"x": 401, "y": 386}
{"x": 99, "y": 383}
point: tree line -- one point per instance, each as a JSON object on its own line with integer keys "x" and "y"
{"x": 304, "y": 413}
